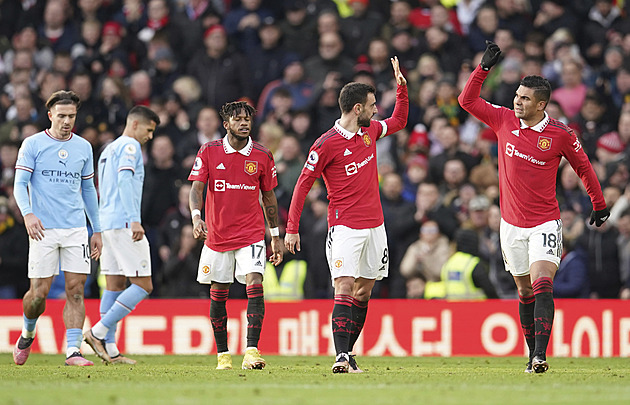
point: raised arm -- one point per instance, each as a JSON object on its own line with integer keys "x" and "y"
{"x": 469, "y": 98}
{"x": 400, "y": 79}
{"x": 398, "y": 120}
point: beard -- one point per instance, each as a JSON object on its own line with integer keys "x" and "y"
{"x": 239, "y": 137}
{"x": 364, "y": 121}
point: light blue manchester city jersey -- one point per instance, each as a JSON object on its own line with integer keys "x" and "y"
{"x": 120, "y": 180}
{"x": 57, "y": 168}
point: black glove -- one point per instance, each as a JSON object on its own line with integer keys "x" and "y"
{"x": 599, "y": 217}
{"x": 490, "y": 56}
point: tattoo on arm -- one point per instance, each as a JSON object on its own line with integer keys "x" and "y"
{"x": 196, "y": 196}
{"x": 270, "y": 205}
{"x": 271, "y": 212}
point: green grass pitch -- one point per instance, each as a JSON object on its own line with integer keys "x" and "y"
{"x": 308, "y": 380}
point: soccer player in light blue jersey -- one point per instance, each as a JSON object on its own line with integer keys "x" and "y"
{"x": 125, "y": 248}
{"x": 54, "y": 189}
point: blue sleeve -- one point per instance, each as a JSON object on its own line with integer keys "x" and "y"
{"x": 125, "y": 186}
{"x": 90, "y": 199}
{"x": 20, "y": 191}
{"x": 88, "y": 167}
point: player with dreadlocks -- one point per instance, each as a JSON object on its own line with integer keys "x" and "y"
{"x": 236, "y": 170}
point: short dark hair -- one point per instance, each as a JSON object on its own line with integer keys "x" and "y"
{"x": 63, "y": 97}
{"x": 353, "y": 93}
{"x": 282, "y": 92}
{"x": 235, "y": 108}
{"x": 144, "y": 113}
{"x": 540, "y": 85}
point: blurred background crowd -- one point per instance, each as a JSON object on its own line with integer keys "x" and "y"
{"x": 289, "y": 59}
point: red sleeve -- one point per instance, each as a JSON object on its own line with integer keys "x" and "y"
{"x": 302, "y": 187}
{"x": 269, "y": 179}
{"x": 573, "y": 151}
{"x": 199, "y": 170}
{"x": 398, "y": 120}
{"x": 470, "y": 101}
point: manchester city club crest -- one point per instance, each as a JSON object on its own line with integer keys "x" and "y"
{"x": 251, "y": 167}
{"x": 544, "y": 143}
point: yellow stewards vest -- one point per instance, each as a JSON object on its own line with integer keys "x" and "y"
{"x": 291, "y": 284}
{"x": 456, "y": 279}
{"x": 434, "y": 290}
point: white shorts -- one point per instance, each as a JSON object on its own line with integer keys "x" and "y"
{"x": 122, "y": 256}
{"x": 357, "y": 252}
{"x": 224, "y": 267}
{"x": 523, "y": 246}
{"x": 65, "y": 249}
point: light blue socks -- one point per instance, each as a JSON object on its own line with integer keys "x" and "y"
{"x": 28, "y": 329}
{"x": 123, "y": 305}
{"x": 107, "y": 301}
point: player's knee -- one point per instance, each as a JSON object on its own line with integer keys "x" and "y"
{"x": 115, "y": 283}
{"x": 344, "y": 285}
{"x": 363, "y": 294}
{"x": 38, "y": 300}
{"x": 143, "y": 282}
{"x": 39, "y": 294}
{"x": 76, "y": 297}
{"x": 525, "y": 291}
{"x": 74, "y": 292}
{"x": 254, "y": 278}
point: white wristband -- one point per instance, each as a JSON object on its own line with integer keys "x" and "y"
{"x": 194, "y": 213}
{"x": 274, "y": 231}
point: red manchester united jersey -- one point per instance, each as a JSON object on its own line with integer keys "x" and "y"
{"x": 234, "y": 179}
{"x": 529, "y": 158}
{"x": 347, "y": 163}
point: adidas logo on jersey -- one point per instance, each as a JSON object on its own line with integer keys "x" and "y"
{"x": 258, "y": 263}
{"x": 550, "y": 252}
{"x": 347, "y": 152}
{"x": 515, "y": 132}
{"x": 220, "y": 166}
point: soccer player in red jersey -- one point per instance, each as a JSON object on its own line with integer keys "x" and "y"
{"x": 531, "y": 146}
{"x": 237, "y": 171}
{"x": 345, "y": 157}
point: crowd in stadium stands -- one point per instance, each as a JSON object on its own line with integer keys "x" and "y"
{"x": 289, "y": 59}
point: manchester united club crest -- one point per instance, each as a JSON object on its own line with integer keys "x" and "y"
{"x": 367, "y": 140}
{"x": 544, "y": 143}
{"x": 251, "y": 167}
